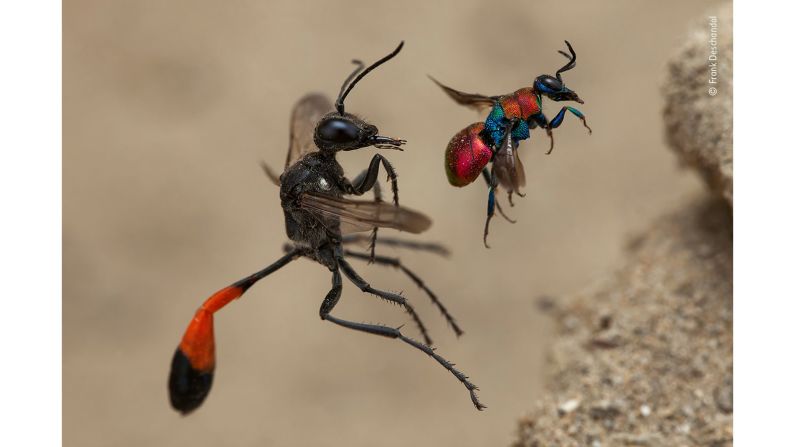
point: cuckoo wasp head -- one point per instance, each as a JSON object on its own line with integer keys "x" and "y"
{"x": 553, "y": 86}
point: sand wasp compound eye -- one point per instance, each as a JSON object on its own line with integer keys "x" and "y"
{"x": 338, "y": 131}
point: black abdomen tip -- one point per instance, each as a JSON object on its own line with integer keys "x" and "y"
{"x": 187, "y": 386}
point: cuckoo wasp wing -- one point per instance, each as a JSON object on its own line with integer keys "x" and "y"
{"x": 473, "y": 100}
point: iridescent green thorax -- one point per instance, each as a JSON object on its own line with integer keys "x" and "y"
{"x": 519, "y": 105}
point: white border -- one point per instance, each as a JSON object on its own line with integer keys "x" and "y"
{"x": 30, "y": 187}
{"x": 30, "y": 244}
{"x": 764, "y": 225}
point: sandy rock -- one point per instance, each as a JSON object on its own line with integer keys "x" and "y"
{"x": 668, "y": 382}
{"x": 649, "y": 353}
{"x": 699, "y": 125}
{"x": 568, "y": 406}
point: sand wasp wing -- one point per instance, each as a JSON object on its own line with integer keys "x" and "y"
{"x": 363, "y": 215}
{"x": 306, "y": 114}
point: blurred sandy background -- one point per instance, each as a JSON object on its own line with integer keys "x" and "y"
{"x": 168, "y": 107}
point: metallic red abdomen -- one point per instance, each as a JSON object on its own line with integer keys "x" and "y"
{"x": 466, "y": 155}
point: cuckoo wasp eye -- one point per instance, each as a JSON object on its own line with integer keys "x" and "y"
{"x": 553, "y": 88}
{"x": 338, "y": 130}
{"x": 548, "y": 84}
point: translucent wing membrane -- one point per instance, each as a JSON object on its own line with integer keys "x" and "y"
{"x": 363, "y": 215}
{"x": 507, "y": 167}
{"x": 474, "y": 100}
{"x": 306, "y": 114}
{"x": 270, "y": 173}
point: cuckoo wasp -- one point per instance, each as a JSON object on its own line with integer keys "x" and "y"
{"x": 514, "y": 114}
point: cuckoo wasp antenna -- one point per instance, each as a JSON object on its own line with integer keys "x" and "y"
{"x": 572, "y": 61}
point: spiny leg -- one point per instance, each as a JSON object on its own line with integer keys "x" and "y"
{"x": 378, "y": 198}
{"x": 364, "y": 286}
{"x": 395, "y": 262}
{"x": 368, "y": 180}
{"x": 431, "y": 247}
{"x": 333, "y": 297}
{"x": 193, "y": 364}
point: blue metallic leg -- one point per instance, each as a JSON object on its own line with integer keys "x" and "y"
{"x": 492, "y": 181}
{"x": 557, "y": 121}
